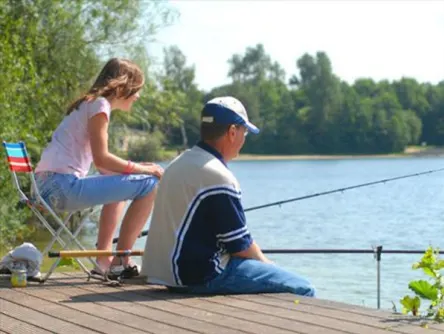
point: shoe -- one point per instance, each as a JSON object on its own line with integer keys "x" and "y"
{"x": 120, "y": 272}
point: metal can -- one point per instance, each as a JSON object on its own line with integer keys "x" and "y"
{"x": 19, "y": 278}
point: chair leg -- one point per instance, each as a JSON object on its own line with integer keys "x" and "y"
{"x": 54, "y": 238}
{"x": 56, "y": 235}
{"x": 76, "y": 233}
{"x": 65, "y": 228}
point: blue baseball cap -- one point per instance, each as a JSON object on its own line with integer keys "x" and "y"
{"x": 227, "y": 110}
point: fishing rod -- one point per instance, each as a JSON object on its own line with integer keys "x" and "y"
{"x": 341, "y": 189}
{"x": 94, "y": 252}
{"x": 140, "y": 252}
{"x": 294, "y": 199}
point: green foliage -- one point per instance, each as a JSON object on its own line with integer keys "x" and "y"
{"x": 147, "y": 148}
{"x": 69, "y": 262}
{"x": 51, "y": 50}
{"x": 317, "y": 113}
{"x": 411, "y": 304}
{"x": 432, "y": 290}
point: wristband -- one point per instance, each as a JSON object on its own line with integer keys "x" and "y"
{"x": 129, "y": 167}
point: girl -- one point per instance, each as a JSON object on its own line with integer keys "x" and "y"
{"x": 82, "y": 138}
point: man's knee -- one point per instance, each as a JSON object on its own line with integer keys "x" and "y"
{"x": 301, "y": 286}
{"x": 306, "y": 290}
{"x": 310, "y": 291}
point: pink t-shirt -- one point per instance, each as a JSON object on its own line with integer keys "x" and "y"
{"x": 69, "y": 151}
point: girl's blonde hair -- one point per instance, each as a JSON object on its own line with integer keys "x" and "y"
{"x": 119, "y": 78}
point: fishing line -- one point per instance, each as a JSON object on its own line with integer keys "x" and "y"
{"x": 341, "y": 190}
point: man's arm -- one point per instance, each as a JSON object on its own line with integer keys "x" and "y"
{"x": 253, "y": 252}
{"x": 229, "y": 223}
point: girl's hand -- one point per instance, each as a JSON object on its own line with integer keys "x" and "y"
{"x": 147, "y": 163}
{"x": 151, "y": 169}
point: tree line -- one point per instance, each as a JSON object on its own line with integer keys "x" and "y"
{"x": 315, "y": 112}
{"x": 51, "y": 50}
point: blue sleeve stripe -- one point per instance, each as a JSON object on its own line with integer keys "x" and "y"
{"x": 238, "y": 236}
{"x": 229, "y": 234}
{"x": 188, "y": 217}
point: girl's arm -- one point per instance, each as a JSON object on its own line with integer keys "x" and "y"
{"x": 105, "y": 171}
{"x": 103, "y": 159}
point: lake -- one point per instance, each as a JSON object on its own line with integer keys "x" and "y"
{"x": 403, "y": 214}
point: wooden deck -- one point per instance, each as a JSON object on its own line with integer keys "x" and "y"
{"x": 67, "y": 303}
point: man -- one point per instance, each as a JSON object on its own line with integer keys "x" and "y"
{"x": 198, "y": 240}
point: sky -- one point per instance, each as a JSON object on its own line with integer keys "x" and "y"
{"x": 378, "y": 39}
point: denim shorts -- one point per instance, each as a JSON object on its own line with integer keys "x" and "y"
{"x": 67, "y": 192}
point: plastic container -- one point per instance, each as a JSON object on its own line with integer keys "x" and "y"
{"x": 19, "y": 278}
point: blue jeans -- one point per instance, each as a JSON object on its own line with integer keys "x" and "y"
{"x": 248, "y": 276}
{"x": 67, "y": 192}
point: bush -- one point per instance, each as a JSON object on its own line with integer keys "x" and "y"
{"x": 147, "y": 148}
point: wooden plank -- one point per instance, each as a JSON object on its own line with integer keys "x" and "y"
{"x": 40, "y": 319}
{"x": 299, "y": 323}
{"x": 167, "y": 312}
{"x": 320, "y": 320}
{"x": 378, "y": 320}
{"x": 347, "y": 324}
{"x": 60, "y": 310}
{"x": 159, "y": 310}
{"x": 118, "y": 319}
{"x": 13, "y": 325}
{"x": 187, "y": 306}
{"x": 330, "y": 304}
{"x": 274, "y": 323}
{"x": 388, "y": 316}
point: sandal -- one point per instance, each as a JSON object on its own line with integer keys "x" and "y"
{"x": 118, "y": 271}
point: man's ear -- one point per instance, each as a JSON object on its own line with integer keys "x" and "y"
{"x": 232, "y": 132}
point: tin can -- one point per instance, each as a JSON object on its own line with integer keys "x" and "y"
{"x": 18, "y": 278}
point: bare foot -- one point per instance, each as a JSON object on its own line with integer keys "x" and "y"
{"x": 104, "y": 263}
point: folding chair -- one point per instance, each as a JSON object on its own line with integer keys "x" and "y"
{"x": 19, "y": 162}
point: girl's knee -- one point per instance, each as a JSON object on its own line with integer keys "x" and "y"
{"x": 149, "y": 187}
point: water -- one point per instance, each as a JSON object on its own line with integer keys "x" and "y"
{"x": 403, "y": 214}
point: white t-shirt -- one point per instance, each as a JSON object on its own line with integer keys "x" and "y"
{"x": 69, "y": 151}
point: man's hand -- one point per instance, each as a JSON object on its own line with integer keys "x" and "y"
{"x": 253, "y": 252}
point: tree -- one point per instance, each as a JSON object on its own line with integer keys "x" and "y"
{"x": 322, "y": 89}
{"x": 255, "y": 65}
{"x": 50, "y": 50}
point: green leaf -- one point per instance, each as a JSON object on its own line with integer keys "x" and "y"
{"x": 410, "y": 305}
{"x": 68, "y": 262}
{"x": 440, "y": 314}
{"x": 429, "y": 272}
{"x": 439, "y": 265}
{"x": 424, "y": 289}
